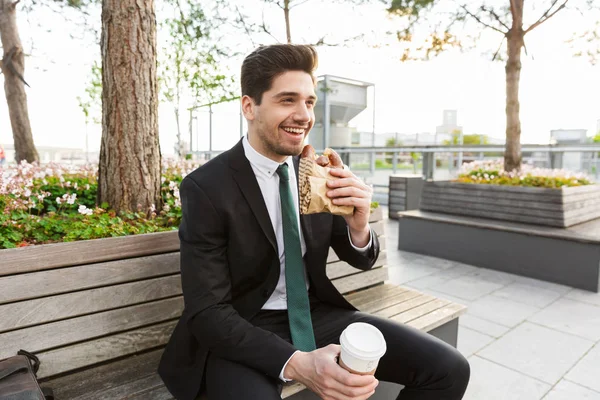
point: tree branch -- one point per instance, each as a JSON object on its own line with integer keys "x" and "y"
{"x": 481, "y": 22}
{"x": 298, "y": 4}
{"x": 499, "y": 48}
{"x": 243, "y": 21}
{"x": 547, "y": 15}
{"x": 493, "y": 14}
{"x": 321, "y": 41}
{"x": 266, "y": 30}
{"x": 8, "y": 62}
{"x": 13, "y": 5}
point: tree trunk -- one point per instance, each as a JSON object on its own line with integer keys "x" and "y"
{"x": 13, "y": 68}
{"x": 515, "y": 41}
{"x": 129, "y": 170}
{"x": 286, "y": 13}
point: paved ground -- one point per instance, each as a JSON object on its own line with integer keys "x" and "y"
{"x": 525, "y": 339}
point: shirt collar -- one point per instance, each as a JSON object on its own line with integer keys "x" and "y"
{"x": 264, "y": 164}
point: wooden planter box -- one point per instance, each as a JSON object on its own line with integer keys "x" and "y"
{"x": 404, "y": 193}
{"x": 551, "y": 207}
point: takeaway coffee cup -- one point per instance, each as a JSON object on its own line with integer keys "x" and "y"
{"x": 362, "y": 347}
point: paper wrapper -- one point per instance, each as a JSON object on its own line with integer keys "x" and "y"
{"x": 313, "y": 190}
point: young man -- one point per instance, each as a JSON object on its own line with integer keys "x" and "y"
{"x": 259, "y": 308}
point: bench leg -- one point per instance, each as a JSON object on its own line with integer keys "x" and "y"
{"x": 447, "y": 332}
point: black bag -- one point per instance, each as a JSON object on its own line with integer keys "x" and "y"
{"x": 18, "y": 380}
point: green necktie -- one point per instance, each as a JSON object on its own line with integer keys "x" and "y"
{"x": 301, "y": 327}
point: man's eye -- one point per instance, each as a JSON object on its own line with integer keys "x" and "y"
{"x": 288, "y": 100}
{"x": 311, "y": 103}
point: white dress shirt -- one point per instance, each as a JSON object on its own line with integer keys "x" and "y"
{"x": 265, "y": 171}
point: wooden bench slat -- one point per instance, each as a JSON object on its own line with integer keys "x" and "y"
{"x": 95, "y": 351}
{"x": 139, "y": 387}
{"x": 49, "y": 309}
{"x": 339, "y": 269}
{"x": 47, "y": 283}
{"x": 61, "y": 333}
{"x": 38, "y": 258}
{"x": 416, "y": 312}
{"x": 363, "y": 280}
{"x": 413, "y": 302}
{"x": 158, "y": 393}
{"x": 291, "y": 389}
{"x": 375, "y": 305}
{"x": 92, "y": 382}
{"x": 438, "y": 317}
{"x": 130, "y": 310}
{"x": 384, "y": 289}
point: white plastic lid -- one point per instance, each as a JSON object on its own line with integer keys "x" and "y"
{"x": 363, "y": 341}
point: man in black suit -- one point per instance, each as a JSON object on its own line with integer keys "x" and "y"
{"x": 259, "y": 308}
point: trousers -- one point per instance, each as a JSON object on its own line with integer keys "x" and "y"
{"x": 429, "y": 368}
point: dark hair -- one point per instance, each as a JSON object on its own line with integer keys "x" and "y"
{"x": 267, "y": 62}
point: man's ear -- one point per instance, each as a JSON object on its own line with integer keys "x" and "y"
{"x": 248, "y": 106}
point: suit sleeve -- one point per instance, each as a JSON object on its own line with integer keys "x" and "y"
{"x": 341, "y": 244}
{"x": 207, "y": 293}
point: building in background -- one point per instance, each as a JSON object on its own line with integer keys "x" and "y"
{"x": 449, "y": 123}
{"x": 339, "y": 101}
{"x": 572, "y": 161}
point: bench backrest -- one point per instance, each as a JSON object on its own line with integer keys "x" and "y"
{"x": 81, "y": 303}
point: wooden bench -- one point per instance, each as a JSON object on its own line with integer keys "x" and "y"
{"x": 98, "y": 313}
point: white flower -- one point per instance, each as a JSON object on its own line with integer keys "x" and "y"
{"x": 84, "y": 210}
{"x": 75, "y": 186}
{"x": 58, "y": 200}
{"x": 87, "y": 186}
{"x": 27, "y": 193}
{"x": 166, "y": 208}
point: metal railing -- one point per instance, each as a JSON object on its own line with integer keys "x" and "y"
{"x": 376, "y": 164}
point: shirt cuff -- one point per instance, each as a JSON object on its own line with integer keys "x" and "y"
{"x": 362, "y": 249}
{"x": 281, "y": 377}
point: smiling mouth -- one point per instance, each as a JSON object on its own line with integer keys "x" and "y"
{"x": 294, "y": 131}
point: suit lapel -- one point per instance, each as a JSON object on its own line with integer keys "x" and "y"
{"x": 244, "y": 177}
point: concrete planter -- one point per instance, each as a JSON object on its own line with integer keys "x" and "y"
{"x": 551, "y": 207}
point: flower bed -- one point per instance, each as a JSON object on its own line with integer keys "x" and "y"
{"x": 57, "y": 203}
{"x": 492, "y": 173}
{"x": 51, "y": 203}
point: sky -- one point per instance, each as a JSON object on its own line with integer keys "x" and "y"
{"x": 558, "y": 91}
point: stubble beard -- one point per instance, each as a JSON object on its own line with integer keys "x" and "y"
{"x": 280, "y": 149}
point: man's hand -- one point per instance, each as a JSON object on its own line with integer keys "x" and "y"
{"x": 351, "y": 191}
{"x": 319, "y": 371}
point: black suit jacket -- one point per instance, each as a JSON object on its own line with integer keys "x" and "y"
{"x": 230, "y": 267}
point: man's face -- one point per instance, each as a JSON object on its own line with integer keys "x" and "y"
{"x": 278, "y": 126}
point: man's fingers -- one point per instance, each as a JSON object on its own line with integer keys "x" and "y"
{"x": 351, "y": 201}
{"x": 348, "y": 181}
{"x": 348, "y": 192}
{"x": 353, "y": 380}
{"x": 340, "y": 173}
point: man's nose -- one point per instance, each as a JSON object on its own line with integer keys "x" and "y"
{"x": 303, "y": 113}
